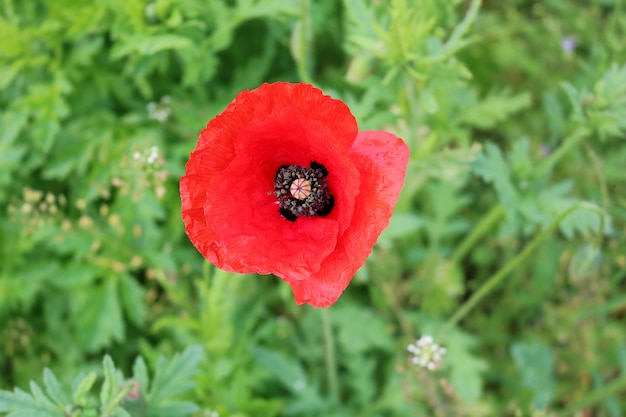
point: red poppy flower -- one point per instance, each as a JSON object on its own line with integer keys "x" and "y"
{"x": 283, "y": 183}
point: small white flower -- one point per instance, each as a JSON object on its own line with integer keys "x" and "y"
{"x": 152, "y": 155}
{"x": 159, "y": 111}
{"x": 148, "y": 156}
{"x": 426, "y": 353}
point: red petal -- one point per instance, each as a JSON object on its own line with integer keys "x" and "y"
{"x": 381, "y": 158}
{"x": 229, "y": 211}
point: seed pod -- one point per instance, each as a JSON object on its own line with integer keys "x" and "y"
{"x": 300, "y": 188}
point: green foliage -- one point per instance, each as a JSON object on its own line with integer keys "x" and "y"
{"x": 514, "y": 113}
{"x": 119, "y": 397}
{"x": 603, "y": 108}
{"x": 536, "y": 366}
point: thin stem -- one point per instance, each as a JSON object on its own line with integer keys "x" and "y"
{"x": 597, "y": 167}
{"x": 597, "y": 395}
{"x": 464, "y": 26}
{"x": 492, "y": 217}
{"x": 571, "y": 142}
{"x": 495, "y": 279}
{"x": 304, "y": 43}
{"x": 206, "y": 271}
{"x": 329, "y": 356}
{"x": 496, "y": 213}
{"x": 116, "y": 401}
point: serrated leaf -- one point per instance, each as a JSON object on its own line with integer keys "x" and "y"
{"x": 21, "y": 404}
{"x": 495, "y": 108}
{"x": 172, "y": 378}
{"x": 445, "y": 202}
{"x": 491, "y": 166}
{"x": 40, "y": 397}
{"x": 554, "y": 201}
{"x": 53, "y": 388}
{"x": 602, "y": 108}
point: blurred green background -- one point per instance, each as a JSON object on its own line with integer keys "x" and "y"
{"x": 515, "y": 113}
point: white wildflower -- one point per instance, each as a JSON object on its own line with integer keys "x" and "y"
{"x": 159, "y": 111}
{"x": 426, "y": 353}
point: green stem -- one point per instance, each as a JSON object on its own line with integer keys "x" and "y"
{"x": 206, "y": 271}
{"x": 568, "y": 144}
{"x": 116, "y": 401}
{"x": 599, "y": 171}
{"x": 597, "y": 395}
{"x": 492, "y": 217}
{"x": 464, "y": 26}
{"x": 304, "y": 43}
{"x": 496, "y": 213}
{"x": 329, "y": 356}
{"x": 495, "y": 279}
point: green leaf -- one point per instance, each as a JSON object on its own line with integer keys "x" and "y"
{"x": 110, "y": 387}
{"x": 12, "y": 123}
{"x": 495, "y": 108}
{"x": 602, "y": 108}
{"x": 172, "y": 378}
{"x": 465, "y": 368}
{"x": 53, "y": 388}
{"x": 82, "y": 388}
{"x": 98, "y": 316}
{"x": 133, "y": 299}
{"x": 286, "y": 370}
{"x": 357, "y": 339}
{"x": 140, "y": 373}
{"x": 144, "y": 44}
{"x": 536, "y": 366}
{"x": 585, "y": 262}
{"x": 491, "y": 166}
{"x": 401, "y": 225}
{"x": 22, "y": 404}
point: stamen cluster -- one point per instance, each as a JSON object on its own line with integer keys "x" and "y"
{"x": 303, "y": 191}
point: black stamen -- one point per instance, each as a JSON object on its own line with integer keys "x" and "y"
{"x": 325, "y": 211}
{"x": 288, "y": 214}
{"x": 317, "y": 165}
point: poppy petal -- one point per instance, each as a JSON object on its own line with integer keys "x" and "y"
{"x": 231, "y": 213}
{"x": 382, "y": 159}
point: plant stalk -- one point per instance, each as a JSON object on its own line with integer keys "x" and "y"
{"x": 568, "y": 144}
{"x": 329, "y": 356}
{"x": 303, "y": 59}
{"x": 495, "y": 279}
{"x": 489, "y": 220}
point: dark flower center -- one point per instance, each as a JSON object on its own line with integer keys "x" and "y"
{"x": 303, "y": 191}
